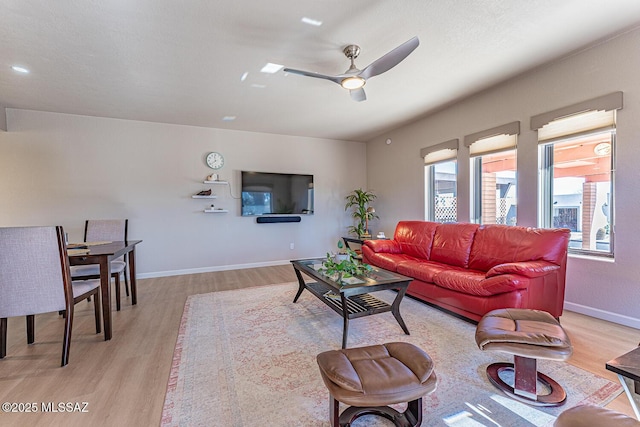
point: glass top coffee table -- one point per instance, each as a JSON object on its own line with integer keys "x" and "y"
{"x": 627, "y": 367}
{"x": 350, "y": 298}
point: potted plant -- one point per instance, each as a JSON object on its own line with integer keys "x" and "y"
{"x": 339, "y": 269}
{"x": 359, "y": 200}
{"x": 342, "y": 253}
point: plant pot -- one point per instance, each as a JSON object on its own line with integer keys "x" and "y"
{"x": 340, "y": 257}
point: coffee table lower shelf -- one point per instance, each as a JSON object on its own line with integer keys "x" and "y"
{"x": 357, "y": 305}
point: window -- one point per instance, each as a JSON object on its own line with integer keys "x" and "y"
{"x": 440, "y": 181}
{"x": 576, "y": 161}
{"x": 441, "y": 192}
{"x": 566, "y": 217}
{"x": 577, "y": 186}
{"x": 493, "y": 185}
{"x": 493, "y": 174}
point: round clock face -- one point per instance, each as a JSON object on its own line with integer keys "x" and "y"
{"x": 215, "y": 160}
{"x": 602, "y": 149}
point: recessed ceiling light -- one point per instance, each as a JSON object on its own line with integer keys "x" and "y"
{"x": 228, "y": 118}
{"x": 271, "y": 68}
{"x": 19, "y": 69}
{"x": 259, "y": 86}
{"x": 311, "y": 21}
{"x": 244, "y": 76}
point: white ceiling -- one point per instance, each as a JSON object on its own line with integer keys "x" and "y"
{"x": 181, "y": 61}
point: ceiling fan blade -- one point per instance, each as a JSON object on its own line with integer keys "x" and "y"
{"x": 390, "y": 59}
{"x": 358, "y": 95}
{"x": 335, "y": 79}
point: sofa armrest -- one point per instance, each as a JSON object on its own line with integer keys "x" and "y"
{"x": 384, "y": 246}
{"x": 528, "y": 269}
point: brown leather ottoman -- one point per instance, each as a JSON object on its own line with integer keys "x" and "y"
{"x": 528, "y": 335}
{"x": 369, "y": 378}
{"x": 594, "y": 416}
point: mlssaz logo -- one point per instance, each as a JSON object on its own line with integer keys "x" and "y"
{"x": 65, "y": 407}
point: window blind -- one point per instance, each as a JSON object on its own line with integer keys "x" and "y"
{"x": 493, "y": 140}
{"x": 577, "y": 124}
{"x": 587, "y": 116}
{"x": 437, "y": 153}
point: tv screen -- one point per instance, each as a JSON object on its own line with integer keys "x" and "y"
{"x": 276, "y": 194}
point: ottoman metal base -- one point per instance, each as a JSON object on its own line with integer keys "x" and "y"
{"x": 411, "y": 417}
{"x": 525, "y": 383}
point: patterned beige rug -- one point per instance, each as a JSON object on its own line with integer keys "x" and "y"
{"x": 247, "y": 358}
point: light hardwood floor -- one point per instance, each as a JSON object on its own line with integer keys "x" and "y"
{"x": 124, "y": 380}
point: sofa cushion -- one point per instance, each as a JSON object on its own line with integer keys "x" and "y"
{"x": 528, "y": 269}
{"x": 385, "y": 260}
{"x": 475, "y": 283}
{"x": 452, "y": 243}
{"x": 383, "y": 245}
{"x": 500, "y": 244}
{"x": 415, "y": 237}
{"x": 420, "y": 269}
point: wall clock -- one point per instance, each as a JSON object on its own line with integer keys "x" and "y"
{"x": 602, "y": 149}
{"x": 215, "y": 160}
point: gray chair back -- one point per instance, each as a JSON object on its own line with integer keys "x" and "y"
{"x": 32, "y": 271}
{"x": 97, "y": 230}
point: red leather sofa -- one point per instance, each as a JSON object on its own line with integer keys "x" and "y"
{"x": 471, "y": 269}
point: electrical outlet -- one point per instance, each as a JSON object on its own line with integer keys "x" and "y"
{"x": 291, "y": 245}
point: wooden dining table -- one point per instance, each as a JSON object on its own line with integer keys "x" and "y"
{"x": 102, "y": 254}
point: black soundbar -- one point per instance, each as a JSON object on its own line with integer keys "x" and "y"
{"x": 272, "y": 219}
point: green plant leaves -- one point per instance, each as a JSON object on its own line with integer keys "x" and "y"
{"x": 344, "y": 268}
{"x": 359, "y": 199}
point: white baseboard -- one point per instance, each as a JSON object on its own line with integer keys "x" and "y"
{"x": 604, "y": 315}
{"x": 210, "y": 269}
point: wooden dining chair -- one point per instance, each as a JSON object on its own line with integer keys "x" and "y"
{"x": 35, "y": 278}
{"x": 97, "y": 230}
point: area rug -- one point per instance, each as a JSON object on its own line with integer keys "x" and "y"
{"x": 248, "y": 357}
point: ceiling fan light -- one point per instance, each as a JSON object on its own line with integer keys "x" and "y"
{"x": 352, "y": 83}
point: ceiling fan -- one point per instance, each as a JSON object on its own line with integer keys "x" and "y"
{"x": 354, "y": 79}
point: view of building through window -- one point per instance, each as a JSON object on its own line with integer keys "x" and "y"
{"x": 494, "y": 188}
{"x": 579, "y": 195}
{"x": 442, "y": 204}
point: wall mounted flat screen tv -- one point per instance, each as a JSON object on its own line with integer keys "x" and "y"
{"x": 266, "y": 193}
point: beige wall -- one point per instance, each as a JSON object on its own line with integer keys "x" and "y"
{"x": 60, "y": 169}
{"x": 601, "y": 288}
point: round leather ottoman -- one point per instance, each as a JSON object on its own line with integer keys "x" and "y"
{"x": 528, "y": 335}
{"x": 594, "y": 416}
{"x": 369, "y": 378}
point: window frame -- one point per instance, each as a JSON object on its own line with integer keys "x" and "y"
{"x": 546, "y": 188}
{"x": 476, "y": 182}
{"x": 432, "y": 155}
{"x": 475, "y": 175}
{"x": 499, "y": 139}
{"x": 430, "y": 193}
{"x": 608, "y": 103}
